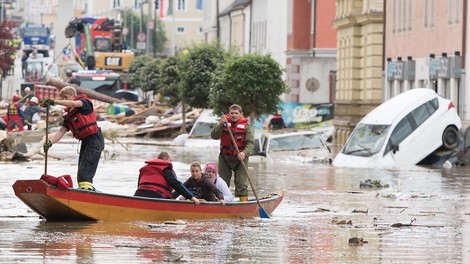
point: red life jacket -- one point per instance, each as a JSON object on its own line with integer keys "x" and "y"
{"x": 239, "y": 130}
{"x": 81, "y": 125}
{"x": 13, "y": 109}
{"x": 151, "y": 177}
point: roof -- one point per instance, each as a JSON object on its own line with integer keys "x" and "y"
{"x": 236, "y": 5}
{"x": 395, "y": 107}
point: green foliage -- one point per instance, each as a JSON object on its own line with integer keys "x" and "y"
{"x": 199, "y": 67}
{"x": 132, "y": 21}
{"x": 170, "y": 86}
{"x": 145, "y": 73}
{"x": 254, "y": 82}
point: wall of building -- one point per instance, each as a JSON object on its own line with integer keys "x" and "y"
{"x": 359, "y": 76}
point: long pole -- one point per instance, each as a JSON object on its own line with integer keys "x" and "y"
{"x": 173, "y": 33}
{"x": 47, "y": 140}
{"x": 262, "y": 212}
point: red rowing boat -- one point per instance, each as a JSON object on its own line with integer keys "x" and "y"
{"x": 55, "y": 204}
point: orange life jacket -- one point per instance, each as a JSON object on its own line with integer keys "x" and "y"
{"x": 239, "y": 130}
{"x": 81, "y": 125}
{"x": 151, "y": 177}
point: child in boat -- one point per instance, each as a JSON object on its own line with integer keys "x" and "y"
{"x": 201, "y": 185}
{"x": 211, "y": 169}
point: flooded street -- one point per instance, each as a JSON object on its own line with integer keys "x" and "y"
{"x": 422, "y": 217}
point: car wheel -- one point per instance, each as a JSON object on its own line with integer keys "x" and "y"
{"x": 450, "y": 138}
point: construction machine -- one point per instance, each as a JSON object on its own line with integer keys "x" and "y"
{"x": 101, "y": 43}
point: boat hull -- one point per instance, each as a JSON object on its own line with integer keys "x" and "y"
{"x": 55, "y": 204}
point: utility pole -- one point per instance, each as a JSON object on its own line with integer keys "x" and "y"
{"x": 155, "y": 30}
{"x": 149, "y": 20}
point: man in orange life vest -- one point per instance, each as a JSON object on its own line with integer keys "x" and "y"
{"x": 80, "y": 119}
{"x": 157, "y": 180}
{"x": 15, "y": 115}
{"x": 229, "y": 159}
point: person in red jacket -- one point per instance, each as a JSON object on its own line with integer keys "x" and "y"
{"x": 157, "y": 179}
{"x": 80, "y": 119}
{"x": 15, "y": 115}
{"x": 229, "y": 159}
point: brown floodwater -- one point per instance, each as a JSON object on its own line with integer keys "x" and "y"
{"x": 422, "y": 217}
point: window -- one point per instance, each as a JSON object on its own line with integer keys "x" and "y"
{"x": 401, "y": 131}
{"x": 181, "y": 5}
{"x": 429, "y": 13}
{"x": 180, "y": 29}
{"x": 420, "y": 114}
{"x": 116, "y": 3}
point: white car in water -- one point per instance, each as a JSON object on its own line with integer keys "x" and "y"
{"x": 402, "y": 131}
{"x": 297, "y": 147}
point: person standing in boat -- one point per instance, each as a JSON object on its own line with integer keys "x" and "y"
{"x": 201, "y": 185}
{"x": 229, "y": 159}
{"x": 80, "y": 119}
{"x": 211, "y": 169}
{"x": 157, "y": 179}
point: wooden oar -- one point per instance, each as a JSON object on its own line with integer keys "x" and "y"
{"x": 262, "y": 212}
{"x": 47, "y": 140}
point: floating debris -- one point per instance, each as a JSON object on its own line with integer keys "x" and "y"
{"x": 372, "y": 184}
{"x": 357, "y": 241}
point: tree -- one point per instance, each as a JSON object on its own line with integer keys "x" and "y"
{"x": 140, "y": 67}
{"x": 132, "y": 22}
{"x": 7, "y": 50}
{"x": 199, "y": 66}
{"x": 170, "y": 86}
{"x": 254, "y": 82}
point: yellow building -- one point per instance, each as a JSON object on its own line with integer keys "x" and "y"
{"x": 359, "y": 60}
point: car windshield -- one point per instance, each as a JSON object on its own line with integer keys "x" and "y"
{"x": 202, "y": 129}
{"x": 296, "y": 142}
{"x": 366, "y": 140}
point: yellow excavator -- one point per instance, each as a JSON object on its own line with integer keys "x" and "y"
{"x": 100, "y": 43}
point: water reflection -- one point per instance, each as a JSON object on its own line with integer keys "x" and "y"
{"x": 431, "y": 205}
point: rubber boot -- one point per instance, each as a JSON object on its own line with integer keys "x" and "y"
{"x": 243, "y": 199}
{"x": 84, "y": 185}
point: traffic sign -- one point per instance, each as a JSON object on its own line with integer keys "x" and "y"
{"x": 150, "y": 25}
{"x": 141, "y": 36}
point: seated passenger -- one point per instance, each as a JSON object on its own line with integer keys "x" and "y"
{"x": 201, "y": 185}
{"x": 211, "y": 169}
{"x": 157, "y": 180}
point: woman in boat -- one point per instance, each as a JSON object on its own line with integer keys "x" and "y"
{"x": 157, "y": 179}
{"x": 211, "y": 169}
{"x": 201, "y": 185}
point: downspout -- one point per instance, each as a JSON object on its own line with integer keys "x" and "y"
{"x": 218, "y": 22}
{"x": 230, "y": 31}
{"x": 384, "y": 78}
{"x": 464, "y": 56}
{"x": 314, "y": 26}
{"x": 251, "y": 26}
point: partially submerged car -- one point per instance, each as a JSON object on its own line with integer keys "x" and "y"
{"x": 297, "y": 146}
{"x": 402, "y": 131}
{"x": 200, "y": 134}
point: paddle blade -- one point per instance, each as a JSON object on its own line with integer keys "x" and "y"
{"x": 262, "y": 213}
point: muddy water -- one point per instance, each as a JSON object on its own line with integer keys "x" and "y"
{"x": 323, "y": 208}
